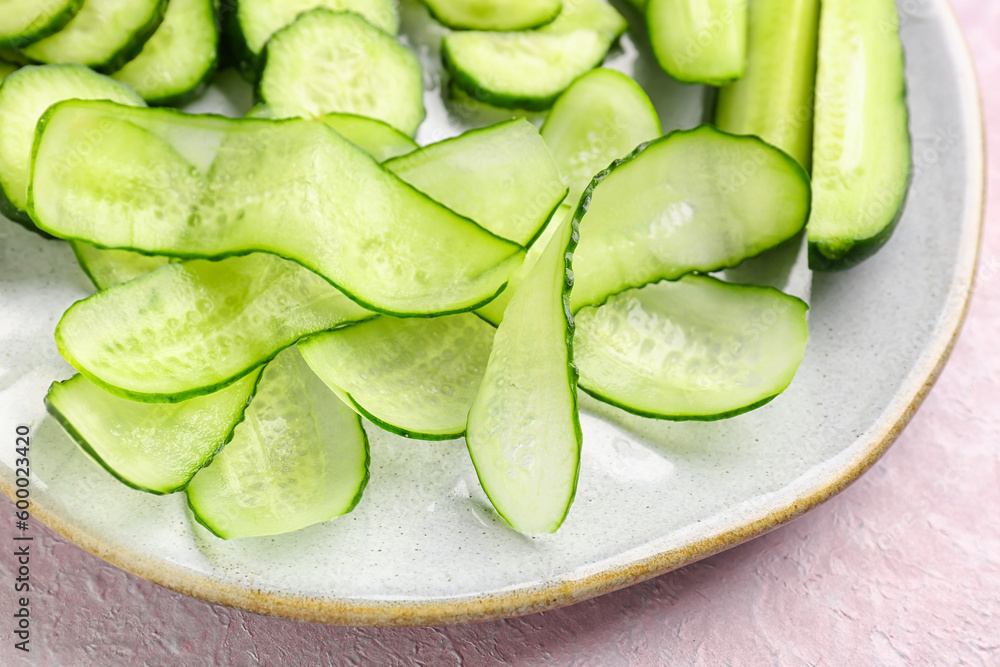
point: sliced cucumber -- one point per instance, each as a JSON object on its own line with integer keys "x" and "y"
{"x": 774, "y": 99}
{"x": 498, "y": 15}
{"x": 255, "y": 21}
{"x": 861, "y": 146}
{"x": 179, "y": 60}
{"x": 697, "y": 200}
{"x": 697, "y": 348}
{"x": 501, "y": 176}
{"x": 104, "y": 34}
{"x": 300, "y": 457}
{"x": 524, "y": 426}
{"x": 154, "y": 447}
{"x": 601, "y": 117}
{"x": 24, "y": 97}
{"x": 381, "y": 241}
{"x": 529, "y": 70}
{"x": 374, "y": 137}
{"x": 699, "y": 41}
{"x": 414, "y": 377}
{"x": 22, "y": 22}
{"x": 107, "y": 268}
{"x": 337, "y": 62}
{"x": 190, "y": 328}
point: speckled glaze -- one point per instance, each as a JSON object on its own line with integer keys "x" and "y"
{"x": 424, "y": 547}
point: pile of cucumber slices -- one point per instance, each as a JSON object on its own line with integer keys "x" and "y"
{"x": 266, "y": 284}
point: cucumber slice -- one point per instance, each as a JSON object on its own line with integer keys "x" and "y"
{"x": 178, "y": 61}
{"x": 498, "y": 15}
{"x": 255, "y": 21}
{"x": 22, "y": 23}
{"x": 529, "y": 70}
{"x": 382, "y": 242}
{"x": 374, "y": 137}
{"x": 698, "y": 200}
{"x": 501, "y": 176}
{"x": 774, "y": 99}
{"x": 699, "y": 41}
{"x": 24, "y": 97}
{"x": 299, "y": 458}
{"x": 191, "y": 328}
{"x": 524, "y": 426}
{"x": 601, "y": 117}
{"x": 107, "y": 268}
{"x": 694, "y": 349}
{"x": 861, "y": 146}
{"x": 337, "y": 62}
{"x": 154, "y": 447}
{"x": 104, "y": 34}
{"x": 416, "y": 378}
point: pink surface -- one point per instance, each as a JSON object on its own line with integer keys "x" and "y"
{"x": 902, "y": 568}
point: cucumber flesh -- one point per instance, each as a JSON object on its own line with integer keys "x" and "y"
{"x": 601, "y": 117}
{"x": 861, "y": 146}
{"x": 524, "y": 426}
{"x": 374, "y": 137}
{"x": 530, "y": 69}
{"x": 698, "y": 200}
{"x": 255, "y": 21}
{"x": 774, "y": 99}
{"x": 699, "y": 41}
{"x": 694, "y": 349}
{"x": 24, "y": 97}
{"x": 190, "y": 328}
{"x": 413, "y": 377}
{"x": 22, "y": 23}
{"x": 104, "y": 34}
{"x": 300, "y": 457}
{"x": 499, "y": 15}
{"x": 107, "y": 268}
{"x": 179, "y": 60}
{"x": 338, "y": 62}
{"x": 502, "y": 176}
{"x": 154, "y": 447}
{"x": 385, "y": 244}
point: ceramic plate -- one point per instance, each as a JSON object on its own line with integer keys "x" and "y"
{"x": 424, "y": 546}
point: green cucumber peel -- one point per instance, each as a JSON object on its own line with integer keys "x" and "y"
{"x": 152, "y": 447}
{"x": 300, "y": 457}
{"x": 494, "y": 15}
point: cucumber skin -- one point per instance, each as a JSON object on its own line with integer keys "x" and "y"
{"x": 57, "y": 23}
{"x": 248, "y": 65}
{"x": 133, "y": 46}
{"x": 453, "y": 26}
{"x": 396, "y": 430}
{"x": 85, "y": 446}
{"x": 589, "y": 191}
{"x": 354, "y": 503}
{"x": 469, "y": 84}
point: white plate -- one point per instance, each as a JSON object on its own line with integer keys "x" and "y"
{"x": 424, "y": 545}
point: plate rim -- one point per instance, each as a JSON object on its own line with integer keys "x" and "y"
{"x": 524, "y": 600}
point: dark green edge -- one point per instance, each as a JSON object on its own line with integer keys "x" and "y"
{"x": 402, "y": 137}
{"x": 574, "y": 375}
{"x": 133, "y": 44}
{"x": 86, "y": 447}
{"x": 258, "y": 93}
{"x": 55, "y": 24}
{"x": 680, "y": 77}
{"x": 862, "y": 249}
{"x": 468, "y": 83}
{"x": 604, "y": 398}
{"x": 182, "y": 97}
{"x": 529, "y": 25}
{"x": 421, "y": 149}
{"x": 625, "y": 79}
{"x": 705, "y": 128}
{"x": 354, "y": 503}
{"x": 44, "y": 121}
{"x": 247, "y": 63}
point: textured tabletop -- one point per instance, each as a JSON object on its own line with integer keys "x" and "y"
{"x": 902, "y": 567}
